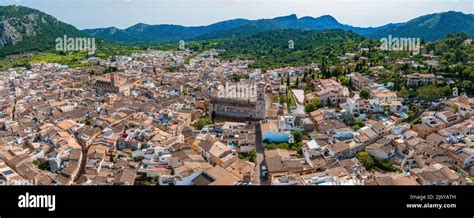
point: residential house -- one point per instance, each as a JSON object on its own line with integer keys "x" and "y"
{"x": 343, "y": 150}
{"x": 358, "y": 81}
{"x": 281, "y": 161}
{"x": 215, "y": 176}
{"x": 367, "y": 136}
{"x": 423, "y": 130}
{"x": 437, "y": 174}
{"x": 435, "y": 139}
{"x": 382, "y": 149}
{"x": 342, "y": 134}
{"x": 467, "y": 157}
{"x": 418, "y": 80}
{"x": 125, "y": 176}
{"x": 243, "y": 170}
{"x": 313, "y": 154}
{"x": 221, "y": 155}
{"x": 331, "y": 90}
{"x": 448, "y": 117}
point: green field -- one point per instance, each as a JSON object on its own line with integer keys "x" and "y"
{"x": 72, "y": 60}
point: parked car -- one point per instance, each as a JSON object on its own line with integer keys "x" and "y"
{"x": 263, "y": 172}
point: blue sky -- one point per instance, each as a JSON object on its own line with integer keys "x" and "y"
{"x": 124, "y": 13}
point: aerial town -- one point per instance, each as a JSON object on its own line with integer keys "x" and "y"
{"x": 177, "y": 118}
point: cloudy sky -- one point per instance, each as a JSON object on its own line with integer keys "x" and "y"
{"x": 124, "y": 13}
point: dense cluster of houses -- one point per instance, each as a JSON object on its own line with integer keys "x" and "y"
{"x": 131, "y": 120}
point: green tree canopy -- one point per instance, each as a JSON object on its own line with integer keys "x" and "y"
{"x": 365, "y": 159}
{"x": 297, "y": 136}
{"x": 201, "y": 123}
{"x": 364, "y": 93}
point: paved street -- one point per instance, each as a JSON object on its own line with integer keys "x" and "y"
{"x": 256, "y": 180}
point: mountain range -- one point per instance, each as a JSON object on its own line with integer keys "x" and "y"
{"x": 428, "y": 27}
{"x": 24, "y": 29}
{"x": 161, "y": 33}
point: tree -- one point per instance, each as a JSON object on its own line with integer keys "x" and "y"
{"x": 149, "y": 181}
{"x": 252, "y": 156}
{"x": 86, "y": 122}
{"x": 310, "y": 108}
{"x": 297, "y": 147}
{"x": 365, "y": 159}
{"x": 405, "y": 68}
{"x": 344, "y": 81}
{"x": 467, "y": 86}
{"x": 297, "y": 136}
{"x": 358, "y": 124}
{"x": 455, "y": 107}
{"x": 282, "y": 99}
{"x": 356, "y": 127}
{"x": 42, "y": 164}
{"x": 312, "y": 105}
{"x": 283, "y": 145}
{"x": 328, "y": 103}
{"x": 138, "y": 159}
{"x": 288, "y": 80}
{"x": 386, "y": 165}
{"x": 112, "y": 158}
{"x": 201, "y": 123}
{"x": 316, "y": 101}
{"x": 339, "y": 70}
{"x": 404, "y": 93}
{"x": 431, "y": 93}
{"x": 364, "y": 93}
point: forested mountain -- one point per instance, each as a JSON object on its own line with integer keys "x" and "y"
{"x": 24, "y": 29}
{"x": 162, "y": 33}
{"x": 428, "y": 27}
{"x": 431, "y": 27}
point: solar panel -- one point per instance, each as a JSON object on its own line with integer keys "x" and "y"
{"x": 8, "y": 172}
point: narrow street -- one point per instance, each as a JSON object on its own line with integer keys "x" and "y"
{"x": 257, "y": 180}
{"x": 82, "y": 167}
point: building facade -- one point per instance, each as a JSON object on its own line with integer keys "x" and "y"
{"x": 249, "y": 107}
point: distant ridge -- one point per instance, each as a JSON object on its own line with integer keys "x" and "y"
{"x": 431, "y": 27}
{"x": 166, "y": 32}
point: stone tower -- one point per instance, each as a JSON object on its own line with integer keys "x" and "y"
{"x": 261, "y": 103}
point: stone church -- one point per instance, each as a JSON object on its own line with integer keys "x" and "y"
{"x": 113, "y": 83}
{"x": 247, "y": 107}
